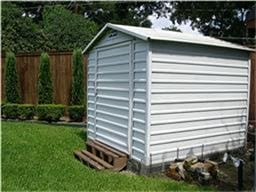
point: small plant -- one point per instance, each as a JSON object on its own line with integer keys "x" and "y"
{"x": 76, "y": 112}
{"x": 50, "y": 112}
{"x": 77, "y": 93}
{"x": 26, "y": 111}
{"x": 11, "y": 79}
{"x": 45, "y": 90}
{"x": 10, "y": 111}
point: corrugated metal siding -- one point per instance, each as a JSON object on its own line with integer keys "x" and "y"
{"x": 199, "y": 97}
{"x": 90, "y": 94}
{"x": 139, "y": 112}
{"x": 119, "y": 91}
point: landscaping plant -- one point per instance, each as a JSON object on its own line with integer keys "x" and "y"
{"x": 10, "y": 111}
{"x": 77, "y": 93}
{"x": 76, "y": 112}
{"x": 45, "y": 88}
{"x": 26, "y": 111}
{"x": 50, "y": 112}
{"x": 11, "y": 79}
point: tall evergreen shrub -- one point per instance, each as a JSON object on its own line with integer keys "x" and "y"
{"x": 45, "y": 88}
{"x": 77, "y": 94}
{"x": 11, "y": 79}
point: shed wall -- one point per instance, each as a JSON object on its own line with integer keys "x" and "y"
{"x": 117, "y": 93}
{"x": 199, "y": 100}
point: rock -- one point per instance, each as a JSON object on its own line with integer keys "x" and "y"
{"x": 190, "y": 160}
{"x": 173, "y": 173}
{"x": 211, "y": 162}
{"x": 197, "y": 167}
{"x": 181, "y": 170}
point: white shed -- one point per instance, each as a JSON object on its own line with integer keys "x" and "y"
{"x": 157, "y": 95}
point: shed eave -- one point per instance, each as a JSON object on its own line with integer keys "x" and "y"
{"x": 149, "y": 35}
{"x": 112, "y": 26}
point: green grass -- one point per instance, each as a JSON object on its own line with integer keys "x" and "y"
{"x": 40, "y": 157}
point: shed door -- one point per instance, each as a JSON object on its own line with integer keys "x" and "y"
{"x": 112, "y": 95}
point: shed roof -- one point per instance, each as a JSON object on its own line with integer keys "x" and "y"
{"x": 163, "y": 35}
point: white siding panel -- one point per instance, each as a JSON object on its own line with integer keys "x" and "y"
{"x": 90, "y": 95}
{"x": 139, "y": 101}
{"x": 199, "y": 97}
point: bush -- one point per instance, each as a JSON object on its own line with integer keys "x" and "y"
{"x": 50, "y": 112}
{"x": 11, "y": 79}
{"x": 76, "y": 112}
{"x": 77, "y": 92}
{"x": 45, "y": 90}
{"x": 26, "y": 111}
{"x": 10, "y": 111}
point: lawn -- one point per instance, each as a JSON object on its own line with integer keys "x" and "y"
{"x": 39, "y": 157}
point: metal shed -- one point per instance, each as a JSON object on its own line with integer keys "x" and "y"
{"x": 157, "y": 95}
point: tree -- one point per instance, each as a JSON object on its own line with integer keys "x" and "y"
{"x": 120, "y": 12}
{"x": 45, "y": 88}
{"x": 11, "y": 79}
{"x": 66, "y": 30}
{"x": 224, "y": 20}
{"x": 77, "y": 93}
{"x": 19, "y": 33}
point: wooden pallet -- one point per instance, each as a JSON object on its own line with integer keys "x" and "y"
{"x": 101, "y": 156}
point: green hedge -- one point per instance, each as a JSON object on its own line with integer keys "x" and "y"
{"x": 50, "y": 112}
{"x": 76, "y": 112}
{"x": 26, "y": 111}
{"x": 10, "y": 111}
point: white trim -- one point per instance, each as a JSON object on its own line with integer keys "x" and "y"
{"x": 148, "y": 107}
{"x": 248, "y": 98}
{"x": 131, "y": 95}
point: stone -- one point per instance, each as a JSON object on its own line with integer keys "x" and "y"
{"x": 190, "y": 160}
{"x": 173, "y": 173}
{"x": 181, "y": 169}
{"x": 197, "y": 167}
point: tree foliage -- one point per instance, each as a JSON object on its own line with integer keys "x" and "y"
{"x": 66, "y": 30}
{"x": 45, "y": 88}
{"x": 219, "y": 19}
{"x": 77, "y": 93}
{"x": 19, "y": 33}
{"x": 41, "y": 26}
{"x": 11, "y": 79}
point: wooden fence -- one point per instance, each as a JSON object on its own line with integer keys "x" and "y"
{"x": 61, "y": 68}
{"x": 28, "y": 69}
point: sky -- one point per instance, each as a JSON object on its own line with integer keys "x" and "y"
{"x": 162, "y": 22}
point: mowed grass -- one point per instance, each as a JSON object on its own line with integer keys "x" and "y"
{"x": 40, "y": 157}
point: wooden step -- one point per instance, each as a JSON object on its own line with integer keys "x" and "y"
{"x": 99, "y": 148}
{"x": 97, "y": 159}
{"x": 101, "y": 156}
{"x": 82, "y": 157}
{"x": 110, "y": 149}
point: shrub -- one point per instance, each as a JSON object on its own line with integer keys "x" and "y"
{"x": 50, "y": 112}
{"x": 76, "y": 112}
{"x": 26, "y": 111}
{"x": 77, "y": 93}
{"x": 45, "y": 90}
{"x": 11, "y": 79}
{"x": 10, "y": 111}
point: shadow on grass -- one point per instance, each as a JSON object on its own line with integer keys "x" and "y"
{"x": 82, "y": 134}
